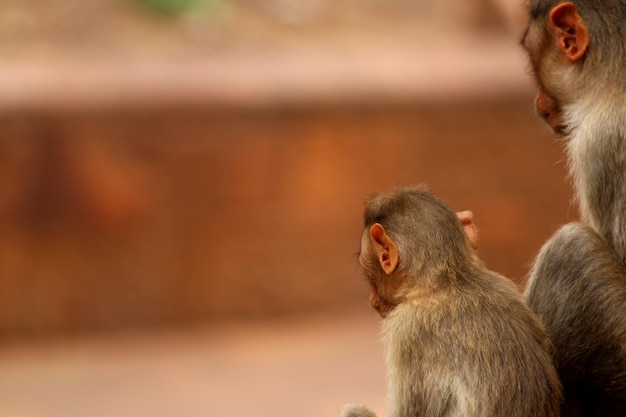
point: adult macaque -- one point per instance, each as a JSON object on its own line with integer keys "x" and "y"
{"x": 459, "y": 339}
{"x": 578, "y": 283}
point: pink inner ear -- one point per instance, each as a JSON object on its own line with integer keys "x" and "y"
{"x": 570, "y": 30}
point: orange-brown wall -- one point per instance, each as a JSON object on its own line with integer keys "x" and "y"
{"x": 152, "y": 216}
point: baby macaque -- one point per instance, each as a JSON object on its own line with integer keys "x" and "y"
{"x": 459, "y": 339}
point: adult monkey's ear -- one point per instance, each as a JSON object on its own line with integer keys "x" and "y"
{"x": 570, "y": 31}
{"x": 386, "y": 250}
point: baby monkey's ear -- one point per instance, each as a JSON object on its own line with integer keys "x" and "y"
{"x": 386, "y": 250}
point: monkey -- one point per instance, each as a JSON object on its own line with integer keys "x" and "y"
{"x": 459, "y": 339}
{"x": 577, "y": 283}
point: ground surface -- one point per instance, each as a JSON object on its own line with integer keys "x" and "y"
{"x": 306, "y": 367}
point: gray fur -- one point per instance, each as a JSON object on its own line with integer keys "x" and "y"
{"x": 461, "y": 342}
{"x": 578, "y": 283}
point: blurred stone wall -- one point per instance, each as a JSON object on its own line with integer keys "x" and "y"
{"x": 147, "y": 217}
{"x": 213, "y": 164}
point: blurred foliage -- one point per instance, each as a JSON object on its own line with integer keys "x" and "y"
{"x": 176, "y": 7}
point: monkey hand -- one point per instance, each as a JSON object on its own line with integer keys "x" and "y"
{"x": 467, "y": 220}
{"x": 356, "y": 410}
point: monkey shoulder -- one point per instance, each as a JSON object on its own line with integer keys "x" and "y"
{"x": 575, "y": 251}
{"x": 578, "y": 290}
{"x": 470, "y": 316}
{"x": 577, "y": 275}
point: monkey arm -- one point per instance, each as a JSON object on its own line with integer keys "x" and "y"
{"x": 578, "y": 289}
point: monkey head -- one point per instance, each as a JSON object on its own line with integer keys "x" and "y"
{"x": 379, "y": 259}
{"x": 556, "y": 41}
{"x": 410, "y": 239}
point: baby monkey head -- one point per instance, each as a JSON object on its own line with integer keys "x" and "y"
{"x": 411, "y": 240}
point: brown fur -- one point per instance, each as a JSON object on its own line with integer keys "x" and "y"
{"x": 459, "y": 340}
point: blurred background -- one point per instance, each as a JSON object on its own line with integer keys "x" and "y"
{"x": 182, "y": 183}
